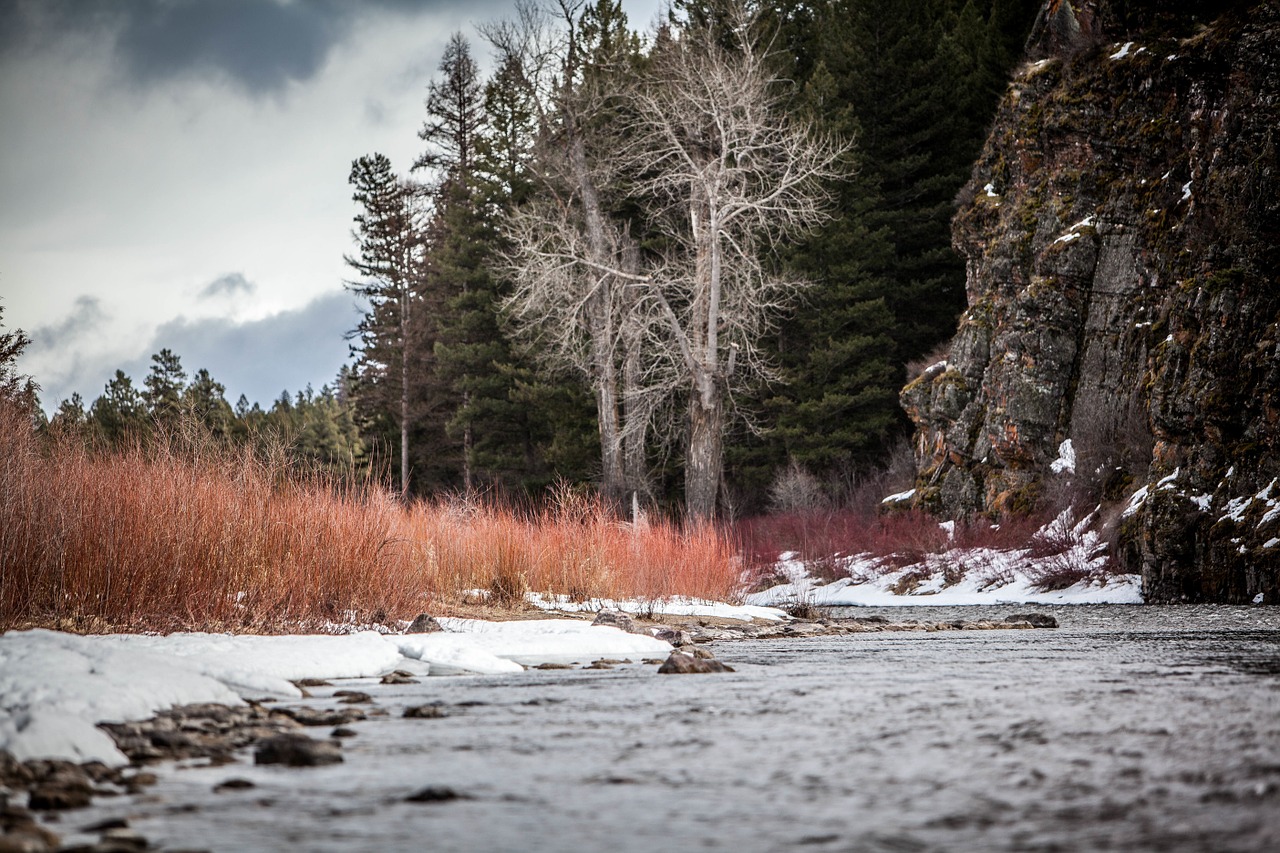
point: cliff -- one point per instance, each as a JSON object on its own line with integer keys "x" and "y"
{"x": 1122, "y": 237}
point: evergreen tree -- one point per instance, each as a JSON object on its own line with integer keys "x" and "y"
{"x": 204, "y": 401}
{"x": 163, "y": 388}
{"x": 393, "y": 349}
{"x": 15, "y": 387}
{"x": 120, "y": 414}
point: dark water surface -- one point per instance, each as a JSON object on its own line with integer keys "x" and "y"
{"x": 1128, "y": 728}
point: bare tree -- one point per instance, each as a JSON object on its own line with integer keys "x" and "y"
{"x": 705, "y": 150}
{"x": 575, "y": 269}
{"x": 726, "y": 176}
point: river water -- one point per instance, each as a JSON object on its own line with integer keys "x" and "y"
{"x": 1127, "y": 728}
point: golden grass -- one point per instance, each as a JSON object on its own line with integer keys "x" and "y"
{"x": 164, "y": 538}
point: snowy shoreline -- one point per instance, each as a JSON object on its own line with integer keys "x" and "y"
{"x": 56, "y": 687}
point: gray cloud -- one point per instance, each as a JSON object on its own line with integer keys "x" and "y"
{"x": 84, "y": 317}
{"x": 259, "y": 359}
{"x": 227, "y": 285}
{"x": 258, "y": 45}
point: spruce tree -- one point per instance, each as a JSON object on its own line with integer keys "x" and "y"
{"x": 393, "y": 339}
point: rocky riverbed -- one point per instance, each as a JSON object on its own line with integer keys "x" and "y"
{"x": 1128, "y": 728}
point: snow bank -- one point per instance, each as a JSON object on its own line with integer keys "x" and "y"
{"x": 257, "y": 665}
{"x": 503, "y": 646}
{"x": 55, "y": 687}
{"x": 986, "y": 576}
{"x": 676, "y": 606}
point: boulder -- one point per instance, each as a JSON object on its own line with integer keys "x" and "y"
{"x": 1036, "y": 620}
{"x": 682, "y": 663}
{"x": 297, "y": 750}
{"x": 424, "y": 624}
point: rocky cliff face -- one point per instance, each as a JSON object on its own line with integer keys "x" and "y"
{"x": 1122, "y": 235}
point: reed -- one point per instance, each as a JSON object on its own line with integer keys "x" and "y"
{"x": 174, "y": 535}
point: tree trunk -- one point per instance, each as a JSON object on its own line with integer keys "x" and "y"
{"x": 404, "y": 393}
{"x": 704, "y": 460}
{"x": 613, "y": 481}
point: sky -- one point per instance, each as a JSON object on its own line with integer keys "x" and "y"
{"x": 173, "y": 174}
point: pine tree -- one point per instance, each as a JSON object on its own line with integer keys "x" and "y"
{"x": 393, "y": 349}
{"x": 204, "y": 401}
{"x": 163, "y": 388}
{"x": 120, "y": 414}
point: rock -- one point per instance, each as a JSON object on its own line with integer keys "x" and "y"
{"x": 57, "y": 797}
{"x": 704, "y": 653}
{"x": 1037, "y": 620}
{"x": 652, "y": 661}
{"x": 312, "y": 682}
{"x": 599, "y": 664}
{"x": 352, "y": 697}
{"x": 296, "y": 750}
{"x": 682, "y": 663}
{"x": 233, "y": 785}
{"x": 323, "y": 716}
{"x": 20, "y": 833}
{"x": 399, "y": 678}
{"x": 554, "y": 666}
{"x": 674, "y": 636}
{"x": 435, "y": 794}
{"x": 424, "y": 624}
{"x": 425, "y": 712}
{"x": 342, "y": 732}
{"x": 618, "y": 619}
{"x": 1121, "y": 295}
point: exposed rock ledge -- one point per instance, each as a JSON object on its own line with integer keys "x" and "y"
{"x": 1122, "y": 237}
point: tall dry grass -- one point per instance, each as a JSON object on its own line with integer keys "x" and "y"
{"x": 174, "y": 536}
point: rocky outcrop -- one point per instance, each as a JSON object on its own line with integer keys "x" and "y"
{"x": 1122, "y": 237}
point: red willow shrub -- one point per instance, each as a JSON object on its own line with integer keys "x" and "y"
{"x": 169, "y": 536}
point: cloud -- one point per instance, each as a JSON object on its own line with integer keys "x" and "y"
{"x": 260, "y": 46}
{"x": 86, "y": 316}
{"x": 261, "y": 358}
{"x": 227, "y": 285}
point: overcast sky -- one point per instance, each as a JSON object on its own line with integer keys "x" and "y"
{"x": 173, "y": 173}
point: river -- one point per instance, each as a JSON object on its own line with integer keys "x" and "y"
{"x": 1127, "y": 728}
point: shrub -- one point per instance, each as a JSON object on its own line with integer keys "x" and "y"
{"x": 169, "y": 536}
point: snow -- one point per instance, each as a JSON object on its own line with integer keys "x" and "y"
{"x": 675, "y": 606}
{"x": 504, "y": 646}
{"x": 265, "y": 665}
{"x": 965, "y": 576}
{"x": 1122, "y": 52}
{"x": 990, "y": 190}
{"x": 996, "y": 578}
{"x": 1066, "y": 461}
{"x": 1202, "y": 501}
{"x": 1186, "y": 191}
{"x": 900, "y": 497}
{"x": 1271, "y": 543}
{"x": 1136, "y": 500}
{"x": 1073, "y": 232}
{"x": 55, "y": 687}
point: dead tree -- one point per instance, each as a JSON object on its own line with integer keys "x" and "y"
{"x": 725, "y": 175}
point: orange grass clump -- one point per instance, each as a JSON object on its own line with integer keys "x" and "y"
{"x": 162, "y": 538}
